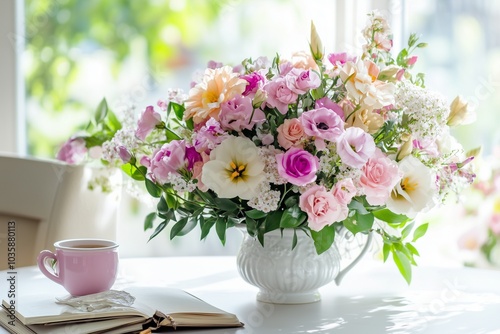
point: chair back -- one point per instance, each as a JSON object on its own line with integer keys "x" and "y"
{"x": 49, "y": 201}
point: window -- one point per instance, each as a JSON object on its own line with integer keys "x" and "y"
{"x": 131, "y": 52}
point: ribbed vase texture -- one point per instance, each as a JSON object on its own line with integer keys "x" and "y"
{"x": 283, "y": 275}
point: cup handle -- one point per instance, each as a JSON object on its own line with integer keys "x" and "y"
{"x": 42, "y": 265}
{"x": 344, "y": 271}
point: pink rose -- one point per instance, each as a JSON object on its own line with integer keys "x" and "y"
{"x": 168, "y": 159}
{"x": 147, "y": 122}
{"x": 279, "y": 96}
{"x": 301, "y": 81}
{"x": 344, "y": 191}
{"x": 321, "y": 207}
{"x": 323, "y": 124}
{"x": 380, "y": 175}
{"x": 297, "y": 166}
{"x": 355, "y": 147}
{"x": 73, "y": 151}
{"x": 238, "y": 114}
{"x": 290, "y": 133}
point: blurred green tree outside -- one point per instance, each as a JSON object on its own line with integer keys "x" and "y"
{"x": 60, "y": 33}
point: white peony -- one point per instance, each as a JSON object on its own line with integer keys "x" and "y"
{"x": 417, "y": 190}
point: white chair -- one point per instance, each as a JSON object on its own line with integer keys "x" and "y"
{"x": 50, "y": 201}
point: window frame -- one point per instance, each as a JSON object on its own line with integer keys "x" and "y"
{"x": 12, "y": 112}
{"x": 13, "y": 128}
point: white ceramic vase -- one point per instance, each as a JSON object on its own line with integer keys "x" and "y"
{"x": 286, "y": 276}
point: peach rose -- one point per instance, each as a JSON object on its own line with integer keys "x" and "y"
{"x": 290, "y": 133}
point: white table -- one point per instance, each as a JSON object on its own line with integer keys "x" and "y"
{"x": 373, "y": 298}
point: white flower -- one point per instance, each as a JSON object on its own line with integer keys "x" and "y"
{"x": 235, "y": 169}
{"x": 416, "y": 191}
{"x": 362, "y": 87}
{"x": 427, "y": 111}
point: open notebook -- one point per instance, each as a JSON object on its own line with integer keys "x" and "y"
{"x": 153, "y": 308}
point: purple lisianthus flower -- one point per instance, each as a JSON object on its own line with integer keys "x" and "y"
{"x": 340, "y": 58}
{"x": 124, "y": 154}
{"x": 255, "y": 80}
{"x": 279, "y": 96}
{"x": 192, "y": 156}
{"x": 297, "y": 166}
{"x": 325, "y": 102}
{"x": 322, "y": 124}
{"x": 214, "y": 64}
{"x": 147, "y": 122}
{"x": 300, "y": 81}
{"x": 355, "y": 147}
{"x": 73, "y": 151}
{"x": 168, "y": 159}
{"x": 209, "y": 135}
{"x": 238, "y": 114}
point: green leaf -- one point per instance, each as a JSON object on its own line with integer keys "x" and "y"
{"x": 148, "y": 221}
{"x": 406, "y": 231}
{"x": 153, "y": 189}
{"x": 162, "y": 206}
{"x": 294, "y": 240}
{"x": 158, "y": 229}
{"x": 420, "y": 231}
{"x": 323, "y": 239}
{"x": 171, "y": 199}
{"x": 171, "y": 135}
{"x": 405, "y": 251}
{"x": 226, "y": 205}
{"x": 206, "y": 226}
{"x": 220, "y": 228}
{"x": 412, "y": 249}
{"x": 178, "y": 227}
{"x": 168, "y": 216}
{"x": 401, "y": 58}
{"x": 191, "y": 224}
{"x": 292, "y": 217}
{"x": 134, "y": 172}
{"x": 178, "y": 110}
{"x": 112, "y": 122}
{"x": 359, "y": 223}
{"x": 358, "y": 207}
{"x": 273, "y": 221}
{"x": 255, "y": 214}
{"x": 291, "y": 201}
{"x": 386, "y": 249}
{"x": 390, "y": 217}
{"x": 190, "y": 124}
{"x": 403, "y": 264}
{"x": 101, "y": 111}
{"x": 251, "y": 225}
{"x": 421, "y": 45}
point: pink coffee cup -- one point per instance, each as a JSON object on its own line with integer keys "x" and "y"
{"x": 83, "y": 266}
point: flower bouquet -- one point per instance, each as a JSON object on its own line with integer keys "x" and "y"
{"x": 311, "y": 142}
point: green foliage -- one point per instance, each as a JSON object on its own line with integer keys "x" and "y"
{"x": 58, "y": 34}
